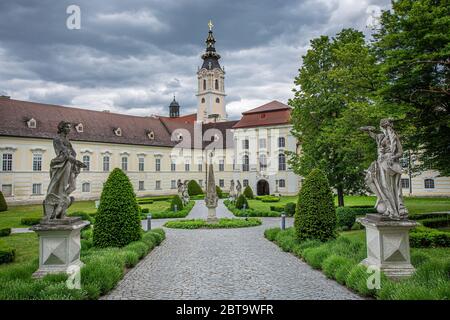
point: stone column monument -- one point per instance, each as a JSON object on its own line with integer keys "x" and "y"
{"x": 211, "y": 194}
{"x": 387, "y": 233}
{"x": 59, "y": 236}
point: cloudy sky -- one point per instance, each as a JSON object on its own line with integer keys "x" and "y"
{"x": 132, "y": 56}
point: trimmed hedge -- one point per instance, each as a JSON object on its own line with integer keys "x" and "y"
{"x": 430, "y": 215}
{"x": 222, "y": 223}
{"x": 194, "y": 188}
{"x": 346, "y": 217}
{"x": 289, "y": 209}
{"x": 315, "y": 216}
{"x": 144, "y": 201}
{"x": 145, "y": 210}
{"x": 241, "y": 201}
{"x": 423, "y": 237}
{"x": 270, "y": 199}
{"x": 83, "y": 215}
{"x": 7, "y": 254}
{"x": 249, "y": 212}
{"x": 5, "y": 232}
{"x": 171, "y": 214}
{"x": 3, "y": 205}
{"x": 439, "y": 222}
{"x": 248, "y": 193}
{"x": 277, "y": 208}
{"x": 118, "y": 220}
{"x": 30, "y": 221}
{"x": 176, "y": 201}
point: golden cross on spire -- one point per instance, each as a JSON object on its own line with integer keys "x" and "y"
{"x": 210, "y": 25}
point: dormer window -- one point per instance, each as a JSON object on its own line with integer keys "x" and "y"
{"x": 31, "y": 123}
{"x": 79, "y": 127}
{"x": 151, "y": 135}
{"x": 118, "y": 132}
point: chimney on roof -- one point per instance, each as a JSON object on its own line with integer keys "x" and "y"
{"x": 106, "y": 111}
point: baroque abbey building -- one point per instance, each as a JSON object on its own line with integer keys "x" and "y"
{"x": 156, "y": 151}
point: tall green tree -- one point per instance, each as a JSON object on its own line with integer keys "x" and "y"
{"x": 413, "y": 48}
{"x": 336, "y": 94}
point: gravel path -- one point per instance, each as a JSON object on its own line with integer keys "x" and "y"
{"x": 224, "y": 264}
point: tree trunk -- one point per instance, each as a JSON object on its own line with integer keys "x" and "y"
{"x": 340, "y": 192}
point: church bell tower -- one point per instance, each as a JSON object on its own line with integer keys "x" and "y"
{"x": 211, "y": 84}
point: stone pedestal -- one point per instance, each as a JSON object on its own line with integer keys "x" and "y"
{"x": 388, "y": 245}
{"x": 59, "y": 245}
{"x": 212, "y": 218}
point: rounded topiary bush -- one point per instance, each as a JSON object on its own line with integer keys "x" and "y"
{"x": 248, "y": 193}
{"x": 241, "y": 201}
{"x": 315, "y": 216}
{"x": 117, "y": 222}
{"x": 289, "y": 209}
{"x": 219, "y": 192}
{"x": 176, "y": 201}
{"x": 3, "y": 205}
{"x": 194, "y": 188}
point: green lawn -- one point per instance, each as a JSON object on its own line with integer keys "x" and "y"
{"x": 12, "y": 217}
{"x": 26, "y": 245}
{"x": 414, "y": 205}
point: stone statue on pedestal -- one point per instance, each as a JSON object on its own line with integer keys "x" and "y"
{"x": 232, "y": 194}
{"x": 59, "y": 236}
{"x": 387, "y": 233}
{"x": 238, "y": 189}
{"x": 185, "y": 193}
{"x": 211, "y": 198}
{"x": 384, "y": 174}
{"x": 180, "y": 186}
{"x": 63, "y": 172}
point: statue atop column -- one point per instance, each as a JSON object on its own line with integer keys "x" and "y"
{"x": 232, "y": 194}
{"x": 185, "y": 193}
{"x": 384, "y": 174}
{"x": 211, "y": 198}
{"x": 64, "y": 170}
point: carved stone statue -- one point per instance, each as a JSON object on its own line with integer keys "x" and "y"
{"x": 384, "y": 174}
{"x": 63, "y": 172}
{"x": 186, "y": 197}
{"x": 180, "y": 186}
{"x": 232, "y": 193}
{"x": 238, "y": 189}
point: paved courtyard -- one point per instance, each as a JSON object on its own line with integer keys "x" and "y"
{"x": 224, "y": 264}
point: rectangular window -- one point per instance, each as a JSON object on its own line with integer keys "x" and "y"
{"x": 141, "y": 185}
{"x": 173, "y": 184}
{"x": 173, "y": 166}
{"x": 158, "y": 184}
{"x": 244, "y": 183}
{"x": 200, "y": 167}
{"x": 282, "y": 183}
{"x": 7, "y": 190}
{"x": 245, "y": 144}
{"x": 262, "y": 143}
{"x": 187, "y": 167}
{"x": 429, "y": 183}
{"x": 105, "y": 163}
{"x": 281, "y": 142}
{"x": 86, "y": 187}
{"x": 158, "y": 164}
{"x": 221, "y": 165}
{"x": 37, "y": 188}
{"x": 124, "y": 163}
{"x": 7, "y": 162}
{"x": 141, "y": 164}
{"x": 37, "y": 162}
{"x": 405, "y": 183}
{"x": 221, "y": 183}
{"x": 87, "y": 163}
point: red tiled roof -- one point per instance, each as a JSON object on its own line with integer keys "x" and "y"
{"x": 189, "y": 118}
{"x": 272, "y": 113}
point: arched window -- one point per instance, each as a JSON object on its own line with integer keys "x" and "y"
{"x": 204, "y": 84}
{"x": 429, "y": 183}
{"x": 262, "y": 162}
{"x": 245, "y": 163}
{"x": 216, "y": 84}
{"x": 217, "y": 100}
{"x": 281, "y": 162}
{"x": 87, "y": 162}
{"x": 203, "y": 100}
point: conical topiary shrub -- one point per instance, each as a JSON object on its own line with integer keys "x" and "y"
{"x": 248, "y": 193}
{"x": 241, "y": 201}
{"x": 3, "y": 205}
{"x": 176, "y": 200}
{"x": 315, "y": 215}
{"x": 194, "y": 188}
{"x": 117, "y": 222}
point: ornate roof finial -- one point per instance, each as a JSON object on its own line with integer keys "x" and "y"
{"x": 210, "y": 25}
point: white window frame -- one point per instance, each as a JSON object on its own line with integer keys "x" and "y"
{"x": 37, "y": 163}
